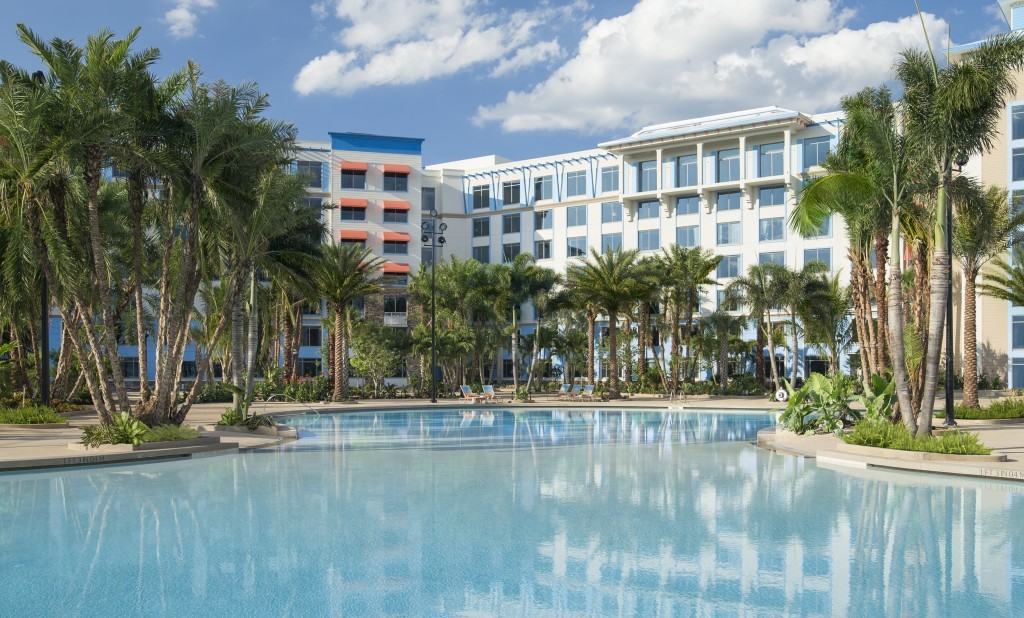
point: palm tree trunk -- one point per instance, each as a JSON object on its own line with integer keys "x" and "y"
{"x": 881, "y": 257}
{"x": 896, "y": 326}
{"x": 340, "y": 365}
{"x": 534, "y": 354}
{"x": 253, "y": 336}
{"x": 515, "y": 354}
{"x": 613, "y": 357}
{"x": 628, "y": 370}
{"x": 771, "y": 351}
{"x": 936, "y": 311}
{"x": 795, "y": 347}
{"x": 642, "y": 330}
{"x": 136, "y": 199}
{"x": 723, "y": 360}
{"x": 237, "y": 348}
{"x": 759, "y": 357}
{"x": 287, "y": 327}
{"x": 591, "y": 342}
{"x": 970, "y": 396}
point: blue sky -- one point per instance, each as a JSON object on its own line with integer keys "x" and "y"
{"x": 518, "y": 79}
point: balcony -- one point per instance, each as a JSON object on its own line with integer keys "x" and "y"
{"x": 394, "y": 318}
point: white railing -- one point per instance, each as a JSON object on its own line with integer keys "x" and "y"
{"x": 392, "y": 318}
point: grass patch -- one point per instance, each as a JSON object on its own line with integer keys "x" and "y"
{"x": 169, "y": 433}
{"x": 1003, "y": 408}
{"x": 30, "y": 415}
{"x": 883, "y": 434}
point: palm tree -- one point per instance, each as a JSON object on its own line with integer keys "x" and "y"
{"x": 721, "y": 327}
{"x": 344, "y": 274}
{"x": 799, "y": 288}
{"x": 612, "y": 281}
{"x": 760, "y": 291}
{"x": 950, "y": 114}
{"x": 687, "y": 273}
{"x": 984, "y": 230}
{"x": 825, "y": 315}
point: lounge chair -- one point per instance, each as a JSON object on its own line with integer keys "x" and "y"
{"x": 588, "y": 393}
{"x": 564, "y": 391}
{"x": 467, "y": 393}
{"x": 488, "y": 393}
{"x": 575, "y": 392}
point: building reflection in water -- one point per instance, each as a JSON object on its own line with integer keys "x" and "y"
{"x": 537, "y": 513}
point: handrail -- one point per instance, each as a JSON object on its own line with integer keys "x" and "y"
{"x": 291, "y": 400}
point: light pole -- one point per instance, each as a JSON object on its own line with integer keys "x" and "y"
{"x": 432, "y": 233}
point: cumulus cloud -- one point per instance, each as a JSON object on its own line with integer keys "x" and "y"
{"x": 181, "y": 20}
{"x": 668, "y": 59}
{"x": 394, "y": 42}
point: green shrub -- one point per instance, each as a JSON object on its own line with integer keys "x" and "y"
{"x": 822, "y": 404}
{"x": 882, "y": 433}
{"x": 213, "y": 392}
{"x": 1003, "y": 408}
{"x": 124, "y": 429}
{"x": 30, "y": 415}
{"x": 308, "y": 390}
{"x": 744, "y": 384}
{"x": 879, "y": 402}
{"x": 236, "y": 418}
{"x": 697, "y": 388}
{"x": 169, "y": 433}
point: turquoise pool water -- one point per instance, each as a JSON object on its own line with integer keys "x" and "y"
{"x": 537, "y": 513}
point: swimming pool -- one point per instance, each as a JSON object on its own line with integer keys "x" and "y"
{"x": 523, "y": 513}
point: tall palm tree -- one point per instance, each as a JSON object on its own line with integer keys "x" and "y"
{"x": 799, "y": 289}
{"x": 951, "y": 113}
{"x": 721, "y": 327}
{"x": 344, "y": 274}
{"x": 984, "y": 230}
{"x": 825, "y": 316}
{"x": 759, "y": 291}
{"x": 612, "y": 280}
{"x": 687, "y": 273}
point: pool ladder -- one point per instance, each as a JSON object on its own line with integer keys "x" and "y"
{"x": 284, "y": 397}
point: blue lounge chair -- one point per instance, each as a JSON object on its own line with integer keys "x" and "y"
{"x": 489, "y": 394}
{"x": 467, "y": 393}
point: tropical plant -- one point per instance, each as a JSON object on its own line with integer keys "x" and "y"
{"x": 722, "y": 327}
{"x": 881, "y": 433}
{"x": 123, "y": 429}
{"x": 760, "y": 291}
{"x": 379, "y": 351}
{"x": 879, "y": 399}
{"x": 169, "y": 433}
{"x": 30, "y": 415}
{"x": 822, "y": 405}
{"x": 687, "y": 275}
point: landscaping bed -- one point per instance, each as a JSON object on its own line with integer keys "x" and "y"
{"x": 1002, "y": 409}
{"x": 35, "y": 417}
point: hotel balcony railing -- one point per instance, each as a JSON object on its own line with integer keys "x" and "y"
{"x": 395, "y": 319}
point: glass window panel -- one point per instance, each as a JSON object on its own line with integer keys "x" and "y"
{"x": 576, "y": 246}
{"x": 611, "y": 242}
{"x": 611, "y": 212}
{"x": 771, "y": 229}
{"x": 686, "y": 236}
{"x": 771, "y": 196}
{"x": 686, "y": 171}
{"x": 576, "y": 215}
{"x": 609, "y": 179}
{"x": 647, "y": 210}
{"x": 648, "y": 240}
{"x": 770, "y": 159}
{"x": 728, "y": 165}
{"x": 729, "y": 200}
{"x": 647, "y": 176}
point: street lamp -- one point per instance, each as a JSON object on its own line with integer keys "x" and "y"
{"x": 433, "y": 234}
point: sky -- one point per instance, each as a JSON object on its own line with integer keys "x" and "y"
{"x": 514, "y": 78}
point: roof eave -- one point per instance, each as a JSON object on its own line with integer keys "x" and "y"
{"x": 627, "y": 145}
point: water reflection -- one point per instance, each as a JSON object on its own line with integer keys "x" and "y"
{"x": 624, "y": 526}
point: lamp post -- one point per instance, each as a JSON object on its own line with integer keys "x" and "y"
{"x": 432, "y": 233}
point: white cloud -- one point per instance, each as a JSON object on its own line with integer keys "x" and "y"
{"x": 181, "y": 20}
{"x": 670, "y": 59}
{"x": 394, "y": 42}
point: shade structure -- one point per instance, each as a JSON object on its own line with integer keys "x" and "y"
{"x": 395, "y": 268}
{"x": 353, "y": 202}
{"x": 354, "y": 166}
{"x": 396, "y": 168}
{"x": 353, "y": 235}
{"x": 396, "y": 205}
{"x": 396, "y": 237}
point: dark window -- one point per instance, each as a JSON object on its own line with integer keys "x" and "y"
{"x": 647, "y": 176}
{"x": 353, "y": 214}
{"x": 188, "y": 369}
{"x": 396, "y": 181}
{"x": 510, "y": 224}
{"x": 396, "y": 216}
{"x": 428, "y": 198}
{"x": 130, "y": 368}
{"x": 609, "y": 179}
{"x": 394, "y": 280}
{"x": 309, "y": 367}
{"x": 647, "y": 210}
{"x": 576, "y": 246}
{"x": 353, "y": 179}
{"x": 542, "y": 249}
{"x": 396, "y": 247}
{"x": 510, "y": 193}
{"x": 686, "y": 172}
{"x": 542, "y": 188}
{"x": 395, "y": 304}
{"x": 481, "y": 197}
{"x": 509, "y": 252}
{"x": 310, "y": 172}
{"x": 482, "y": 254}
{"x": 311, "y": 336}
{"x": 816, "y": 151}
{"x": 542, "y": 220}
{"x": 481, "y": 227}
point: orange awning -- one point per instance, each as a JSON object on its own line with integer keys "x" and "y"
{"x": 353, "y": 202}
{"x": 353, "y": 235}
{"x": 396, "y": 205}
{"x": 396, "y": 237}
{"x": 354, "y": 166}
{"x": 394, "y": 268}
{"x": 397, "y": 168}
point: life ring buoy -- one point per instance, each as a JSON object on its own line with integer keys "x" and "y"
{"x": 782, "y": 395}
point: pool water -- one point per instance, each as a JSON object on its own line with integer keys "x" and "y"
{"x": 517, "y": 513}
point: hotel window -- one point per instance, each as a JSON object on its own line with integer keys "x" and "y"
{"x": 609, "y": 179}
{"x": 728, "y": 201}
{"x": 647, "y": 176}
{"x": 611, "y": 212}
{"x": 771, "y": 196}
{"x": 510, "y": 224}
{"x": 1018, "y": 332}
{"x": 311, "y": 172}
{"x": 427, "y": 256}
{"x": 728, "y": 165}
{"x": 824, "y": 230}
{"x": 542, "y": 220}
{"x": 481, "y": 197}
{"x": 686, "y": 171}
{"x": 352, "y": 242}
{"x": 310, "y": 337}
{"x": 542, "y": 249}
{"x": 428, "y": 199}
{"x": 130, "y": 368}
{"x": 395, "y": 304}
{"x": 688, "y": 205}
{"x": 647, "y": 210}
{"x": 818, "y": 255}
{"x": 769, "y": 160}
{"x": 481, "y": 227}
{"x": 188, "y": 369}
{"x": 1018, "y": 122}
{"x": 396, "y": 247}
{"x": 396, "y": 181}
{"x": 576, "y": 246}
{"x": 482, "y": 254}
{"x": 312, "y": 308}
{"x": 576, "y": 215}
{"x": 396, "y": 216}
{"x": 352, "y": 214}
{"x": 770, "y": 229}
{"x": 353, "y": 179}
{"x": 611, "y": 242}
{"x": 509, "y": 251}
{"x": 686, "y": 236}
{"x": 1018, "y": 163}
{"x": 510, "y": 193}
{"x": 648, "y": 240}
{"x": 728, "y": 267}
{"x": 310, "y": 367}
{"x": 575, "y": 183}
{"x": 1017, "y": 373}
{"x": 727, "y": 302}
{"x": 728, "y": 233}
{"x": 772, "y": 257}
{"x": 313, "y": 203}
{"x": 816, "y": 151}
{"x": 542, "y": 188}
